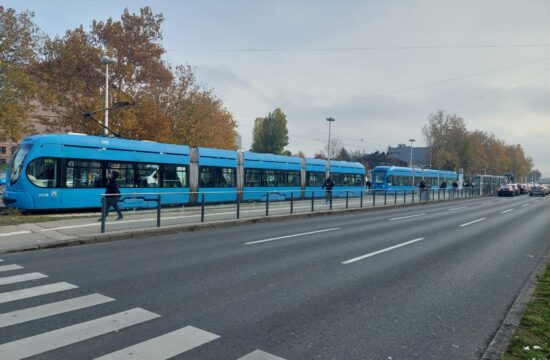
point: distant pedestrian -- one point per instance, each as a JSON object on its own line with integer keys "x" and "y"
{"x": 328, "y": 185}
{"x": 455, "y": 184}
{"x": 369, "y": 184}
{"x": 112, "y": 196}
{"x": 423, "y": 191}
{"x": 443, "y": 184}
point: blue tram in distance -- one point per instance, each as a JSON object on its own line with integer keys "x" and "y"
{"x": 69, "y": 171}
{"x": 401, "y": 178}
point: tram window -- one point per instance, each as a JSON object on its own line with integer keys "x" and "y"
{"x": 378, "y": 177}
{"x": 42, "y": 172}
{"x": 148, "y": 175}
{"x": 252, "y": 177}
{"x": 268, "y": 178}
{"x": 83, "y": 174}
{"x": 293, "y": 178}
{"x": 125, "y": 173}
{"x": 17, "y": 159}
{"x": 315, "y": 178}
{"x": 211, "y": 176}
{"x": 390, "y": 180}
{"x": 174, "y": 176}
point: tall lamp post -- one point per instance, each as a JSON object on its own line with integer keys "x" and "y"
{"x": 411, "y": 160}
{"x": 330, "y": 121}
{"x": 107, "y": 61}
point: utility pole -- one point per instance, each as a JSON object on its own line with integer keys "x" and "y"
{"x": 107, "y": 61}
{"x": 330, "y": 121}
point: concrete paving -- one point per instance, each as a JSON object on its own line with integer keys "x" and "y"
{"x": 71, "y": 228}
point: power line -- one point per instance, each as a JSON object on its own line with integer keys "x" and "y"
{"x": 365, "y": 48}
{"x": 438, "y": 82}
{"x": 497, "y": 90}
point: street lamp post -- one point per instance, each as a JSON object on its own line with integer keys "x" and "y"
{"x": 330, "y": 121}
{"x": 107, "y": 61}
{"x": 411, "y": 160}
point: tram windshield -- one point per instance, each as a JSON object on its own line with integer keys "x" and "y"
{"x": 378, "y": 177}
{"x": 17, "y": 159}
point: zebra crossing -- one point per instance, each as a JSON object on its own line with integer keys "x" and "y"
{"x": 165, "y": 346}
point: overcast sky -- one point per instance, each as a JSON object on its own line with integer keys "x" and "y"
{"x": 378, "y": 67}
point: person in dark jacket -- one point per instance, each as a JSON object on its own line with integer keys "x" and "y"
{"x": 113, "y": 195}
{"x": 328, "y": 185}
{"x": 369, "y": 184}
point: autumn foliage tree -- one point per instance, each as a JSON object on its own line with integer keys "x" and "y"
{"x": 452, "y": 146}
{"x": 167, "y": 104}
{"x": 19, "y": 44}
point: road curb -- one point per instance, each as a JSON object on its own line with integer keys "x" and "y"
{"x": 174, "y": 229}
{"x": 501, "y": 340}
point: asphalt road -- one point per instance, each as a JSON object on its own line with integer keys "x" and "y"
{"x": 424, "y": 282}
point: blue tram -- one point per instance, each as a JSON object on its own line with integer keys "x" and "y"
{"x": 69, "y": 171}
{"x": 402, "y": 178}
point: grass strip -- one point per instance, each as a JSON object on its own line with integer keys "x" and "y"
{"x": 531, "y": 340}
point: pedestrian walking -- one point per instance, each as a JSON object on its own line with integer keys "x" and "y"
{"x": 369, "y": 184}
{"x": 112, "y": 196}
{"x": 328, "y": 185}
{"x": 423, "y": 192}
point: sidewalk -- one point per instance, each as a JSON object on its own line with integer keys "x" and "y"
{"x": 82, "y": 228}
{"x": 72, "y": 229}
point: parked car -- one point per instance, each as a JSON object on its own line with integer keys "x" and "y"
{"x": 537, "y": 191}
{"x": 523, "y": 189}
{"x": 507, "y": 190}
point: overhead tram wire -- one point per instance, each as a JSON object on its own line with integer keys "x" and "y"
{"x": 497, "y": 90}
{"x": 433, "y": 83}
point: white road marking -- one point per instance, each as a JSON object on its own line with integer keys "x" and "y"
{"x": 457, "y": 208}
{"x": 536, "y": 201}
{"x": 381, "y": 251}
{"x": 55, "y": 339}
{"x": 260, "y": 355}
{"x": 10, "y": 267}
{"x": 43, "y": 311}
{"x": 505, "y": 211}
{"x": 34, "y": 291}
{"x": 472, "y": 222}
{"x": 405, "y": 217}
{"x": 262, "y": 210}
{"x": 165, "y": 346}
{"x": 290, "y": 236}
{"x": 526, "y": 204}
{"x": 16, "y": 233}
{"x": 20, "y": 278}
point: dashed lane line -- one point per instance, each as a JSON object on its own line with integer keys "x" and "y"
{"x": 290, "y": 236}
{"x": 458, "y": 208}
{"x": 505, "y": 211}
{"x": 405, "y": 217}
{"x": 472, "y": 222}
{"x": 362, "y": 257}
